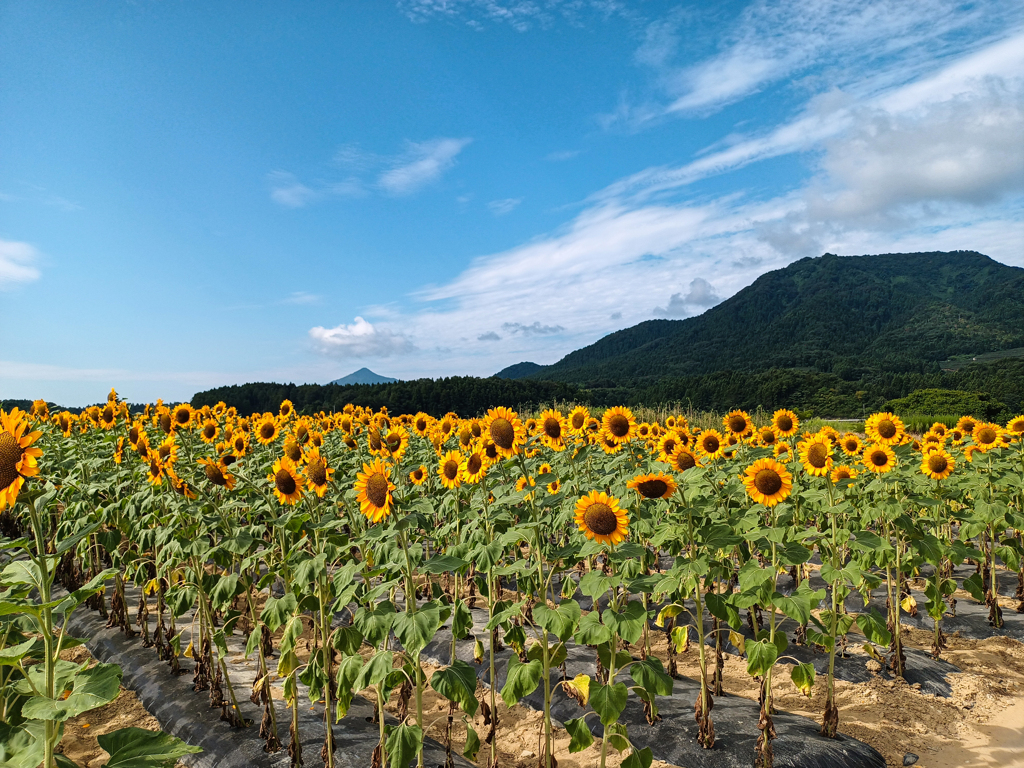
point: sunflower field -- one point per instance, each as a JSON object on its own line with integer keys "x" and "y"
{"x": 340, "y": 546}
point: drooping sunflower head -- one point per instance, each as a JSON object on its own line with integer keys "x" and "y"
{"x": 879, "y": 458}
{"x": 599, "y": 517}
{"x": 850, "y": 443}
{"x": 217, "y": 473}
{"x": 286, "y": 480}
{"x": 738, "y": 423}
{"x": 785, "y": 422}
{"x": 767, "y": 482}
{"x": 578, "y": 419}
{"x": 419, "y": 475}
{"x": 987, "y": 435}
{"x": 619, "y": 423}
{"x": 449, "y": 469}
{"x": 503, "y": 428}
{"x": 816, "y": 456}
{"x": 653, "y": 486}
{"x": 938, "y": 464}
{"x": 711, "y": 443}
{"x": 17, "y": 454}
{"x": 292, "y": 451}
{"x": 886, "y": 428}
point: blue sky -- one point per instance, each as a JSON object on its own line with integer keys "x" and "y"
{"x": 195, "y": 195}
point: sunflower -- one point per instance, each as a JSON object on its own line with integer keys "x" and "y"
{"x": 850, "y": 443}
{"x": 503, "y": 427}
{"x": 180, "y": 486}
{"x": 240, "y": 444}
{"x": 316, "y": 439}
{"x": 227, "y": 456}
{"x": 682, "y": 459}
{"x": 577, "y": 420}
{"x": 181, "y": 416}
{"x": 217, "y": 473}
{"x": 142, "y": 447}
{"x": 448, "y": 424}
{"x": 465, "y": 434}
{"x": 885, "y": 428}
{"x": 711, "y": 444}
{"x": 938, "y": 465}
{"x": 521, "y": 484}
{"x": 987, "y": 436}
{"x": 956, "y": 436}
{"x": 653, "y": 486}
{"x": 474, "y": 466}
{"x": 816, "y": 456}
{"x": 554, "y": 486}
{"x": 666, "y": 444}
{"x": 932, "y": 438}
{"x": 17, "y": 456}
{"x": 287, "y": 410}
{"x": 608, "y": 443}
{"x": 373, "y": 487}
{"x": 966, "y": 424}
{"x": 266, "y": 430}
{"x": 64, "y": 421}
{"x": 210, "y": 431}
{"x": 643, "y": 430}
{"x": 450, "y": 469}
{"x": 593, "y": 426}
{"x": 293, "y": 451}
{"x": 618, "y": 422}
{"x": 600, "y": 518}
{"x": 168, "y": 450}
{"x": 785, "y": 422}
{"x": 552, "y": 427}
{"x": 108, "y": 417}
{"x": 843, "y": 472}
{"x": 767, "y": 482}
{"x": 767, "y": 436}
{"x": 119, "y": 451}
{"x": 419, "y": 475}
{"x": 1015, "y": 426}
{"x": 738, "y": 423}
{"x": 317, "y": 471}
{"x": 155, "y": 472}
{"x": 879, "y": 458}
{"x": 287, "y": 480}
{"x": 375, "y": 441}
{"x": 395, "y": 442}
{"x": 421, "y": 422}
{"x": 782, "y": 449}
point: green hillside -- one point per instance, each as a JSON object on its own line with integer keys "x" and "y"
{"x": 849, "y": 316}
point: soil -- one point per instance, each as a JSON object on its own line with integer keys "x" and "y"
{"x": 79, "y": 742}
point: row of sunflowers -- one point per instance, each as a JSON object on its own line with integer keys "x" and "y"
{"x": 564, "y": 529}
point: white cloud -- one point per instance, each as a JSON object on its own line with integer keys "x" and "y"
{"x": 533, "y": 329}
{"x": 288, "y": 191}
{"x": 17, "y": 263}
{"x": 360, "y": 339}
{"x": 701, "y": 294}
{"x": 302, "y": 297}
{"x": 421, "y": 164}
{"x": 521, "y": 15}
{"x": 502, "y": 207}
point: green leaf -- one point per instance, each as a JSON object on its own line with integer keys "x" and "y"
{"x": 347, "y": 640}
{"x": 348, "y": 670}
{"x": 22, "y": 746}
{"x": 403, "y": 744}
{"x": 472, "y": 743}
{"x": 761, "y": 655}
{"x": 486, "y": 556}
{"x": 561, "y": 621}
{"x": 462, "y": 620}
{"x": 375, "y": 623}
{"x": 139, "y": 748}
{"x": 91, "y": 688}
{"x": 224, "y": 591}
{"x": 443, "y": 564}
{"x": 608, "y": 700}
{"x": 591, "y": 631}
{"x": 278, "y": 610}
{"x": 457, "y": 683}
{"x": 641, "y": 759}
{"x": 873, "y": 626}
{"x": 722, "y": 608}
{"x": 651, "y": 676}
{"x": 629, "y": 624}
{"x": 580, "y": 736}
{"x": 803, "y": 677}
{"x": 522, "y": 679}
{"x": 415, "y": 630}
{"x": 11, "y": 655}
{"x": 976, "y": 587}
{"x": 376, "y": 669}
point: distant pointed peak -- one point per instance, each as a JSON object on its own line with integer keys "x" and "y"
{"x": 363, "y": 376}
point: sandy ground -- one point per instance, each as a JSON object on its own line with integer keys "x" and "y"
{"x": 79, "y": 742}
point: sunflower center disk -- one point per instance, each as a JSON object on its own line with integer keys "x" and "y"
{"x": 652, "y": 489}
{"x": 285, "y": 482}
{"x": 937, "y": 463}
{"x": 552, "y": 429}
{"x": 502, "y": 433}
{"x": 711, "y": 444}
{"x": 210, "y": 431}
{"x": 577, "y": 421}
{"x": 473, "y": 464}
{"x": 784, "y": 423}
{"x": 451, "y": 470}
{"x": 886, "y": 429}
{"x": 10, "y": 455}
{"x": 618, "y": 425}
{"x": 600, "y": 519}
{"x": 879, "y": 459}
{"x": 377, "y": 490}
{"x": 317, "y": 473}
{"x": 986, "y": 436}
{"x": 214, "y": 475}
{"x": 817, "y": 456}
{"x": 684, "y": 462}
{"x": 738, "y": 424}
{"x": 768, "y": 482}
{"x": 292, "y": 451}
{"x": 267, "y": 431}
{"x": 165, "y": 423}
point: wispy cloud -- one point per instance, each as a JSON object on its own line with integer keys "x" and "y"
{"x": 521, "y": 15}
{"x": 360, "y": 339}
{"x": 302, "y": 297}
{"x": 421, "y": 164}
{"x": 17, "y": 264}
{"x": 700, "y": 296}
{"x": 502, "y": 207}
{"x": 562, "y": 156}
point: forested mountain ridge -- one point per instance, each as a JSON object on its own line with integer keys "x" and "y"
{"x": 845, "y": 315}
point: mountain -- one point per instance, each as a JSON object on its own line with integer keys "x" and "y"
{"x": 849, "y": 316}
{"x": 518, "y": 371}
{"x": 363, "y": 376}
